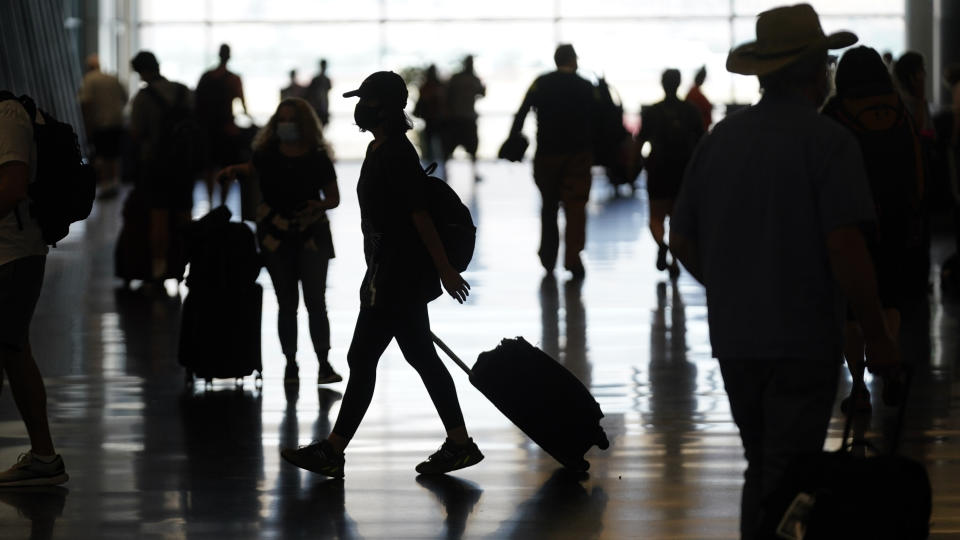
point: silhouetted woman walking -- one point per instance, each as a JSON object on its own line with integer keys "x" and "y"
{"x": 406, "y": 263}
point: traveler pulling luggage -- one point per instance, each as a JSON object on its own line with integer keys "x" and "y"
{"x": 559, "y": 413}
{"x": 220, "y": 328}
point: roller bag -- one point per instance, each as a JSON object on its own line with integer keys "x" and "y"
{"x": 540, "y": 397}
{"x": 843, "y": 494}
{"x": 220, "y": 327}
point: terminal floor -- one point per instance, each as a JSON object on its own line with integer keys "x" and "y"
{"x": 151, "y": 458}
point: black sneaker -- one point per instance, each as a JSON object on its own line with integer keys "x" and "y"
{"x": 451, "y": 457}
{"x": 326, "y": 375}
{"x": 662, "y": 258}
{"x": 318, "y": 457}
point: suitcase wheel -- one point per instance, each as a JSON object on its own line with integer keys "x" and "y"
{"x": 239, "y": 382}
{"x": 258, "y": 380}
{"x": 208, "y": 382}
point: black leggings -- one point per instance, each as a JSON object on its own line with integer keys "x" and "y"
{"x": 410, "y": 325}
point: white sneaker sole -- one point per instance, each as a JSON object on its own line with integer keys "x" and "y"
{"x": 43, "y": 481}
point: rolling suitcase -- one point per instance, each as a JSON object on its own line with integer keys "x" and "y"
{"x": 220, "y": 326}
{"x": 557, "y": 411}
{"x": 839, "y": 494}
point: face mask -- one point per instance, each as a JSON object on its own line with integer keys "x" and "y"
{"x": 288, "y": 132}
{"x": 366, "y": 117}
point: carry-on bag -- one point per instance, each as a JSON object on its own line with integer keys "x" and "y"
{"x": 840, "y": 494}
{"x": 220, "y": 325}
{"x": 540, "y": 397}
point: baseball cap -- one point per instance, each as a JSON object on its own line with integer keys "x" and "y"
{"x": 386, "y": 86}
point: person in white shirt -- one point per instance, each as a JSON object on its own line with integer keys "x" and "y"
{"x": 22, "y": 259}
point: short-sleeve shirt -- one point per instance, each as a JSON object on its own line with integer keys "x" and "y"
{"x": 759, "y": 197}
{"x": 566, "y": 106}
{"x": 392, "y": 186}
{"x": 287, "y": 183}
{"x": 146, "y": 114}
{"x": 23, "y": 239}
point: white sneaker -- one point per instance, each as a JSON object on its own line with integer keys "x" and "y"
{"x": 29, "y": 471}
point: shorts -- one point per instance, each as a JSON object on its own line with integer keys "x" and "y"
{"x": 461, "y": 131}
{"x": 664, "y": 179}
{"x": 106, "y": 142}
{"x": 20, "y": 283}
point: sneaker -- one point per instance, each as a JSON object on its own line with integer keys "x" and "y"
{"x": 319, "y": 457}
{"x": 327, "y": 375}
{"x": 451, "y": 457}
{"x": 576, "y": 269}
{"x": 292, "y": 373}
{"x": 662, "y": 258}
{"x": 30, "y": 471}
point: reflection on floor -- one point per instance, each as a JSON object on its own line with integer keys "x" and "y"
{"x": 150, "y": 458}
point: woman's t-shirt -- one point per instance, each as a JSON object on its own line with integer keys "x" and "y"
{"x": 287, "y": 183}
{"x": 392, "y": 186}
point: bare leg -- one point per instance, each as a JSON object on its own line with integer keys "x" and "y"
{"x": 30, "y": 395}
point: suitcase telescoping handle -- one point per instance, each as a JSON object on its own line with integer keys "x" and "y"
{"x": 451, "y": 354}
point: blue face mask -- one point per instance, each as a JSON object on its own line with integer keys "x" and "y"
{"x": 288, "y": 132}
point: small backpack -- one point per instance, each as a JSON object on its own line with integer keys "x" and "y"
{"x": 452, "y": 220}
{"x": 65, "y": 186}
{"x": 180, "y": 145}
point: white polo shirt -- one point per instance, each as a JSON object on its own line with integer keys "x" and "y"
{"x": 17, "y": 144}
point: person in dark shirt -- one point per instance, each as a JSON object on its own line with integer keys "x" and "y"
{"x": 216, "y": 91}
{"x": 673, "y": 128}
{"x": 463, "y": 89}
{"x": 318, "y": 92}
{"x": 867, "y": 104}
{"x": 406, "y": 263}
{"x": 298, "y": 185}
{"x": 566, "y": 105}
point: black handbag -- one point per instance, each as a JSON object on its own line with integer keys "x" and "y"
{"x": 514, "y": 147}
{"x": 846, "y": 494}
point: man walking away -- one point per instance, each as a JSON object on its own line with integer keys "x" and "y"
{"x": 768, "y": 220}
{"x": 566, "y": 105}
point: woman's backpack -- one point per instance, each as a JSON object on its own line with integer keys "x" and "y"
{"x": 65, "y": 186}
{"x": 452, "y": 220}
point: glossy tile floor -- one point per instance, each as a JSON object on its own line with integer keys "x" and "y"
{"x": 149, "y": 458}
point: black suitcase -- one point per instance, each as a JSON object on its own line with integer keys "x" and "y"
{"x": 842, "y": 495}
{"x": 220, "y": 326}
{"x": 557, "y": 412}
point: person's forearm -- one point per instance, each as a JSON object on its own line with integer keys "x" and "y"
{"x": 431, "y": 239}
{"x": 853, "y": 270}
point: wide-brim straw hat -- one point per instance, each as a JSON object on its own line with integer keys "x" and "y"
{"x": 784, "y": 35}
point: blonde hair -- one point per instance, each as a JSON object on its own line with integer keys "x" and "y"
{"x": 307, "y": 122}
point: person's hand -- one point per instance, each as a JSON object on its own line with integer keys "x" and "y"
{"x": 883, "y": 355}
{"x": 454, "y": 284}
{"x": 225, "y": 175}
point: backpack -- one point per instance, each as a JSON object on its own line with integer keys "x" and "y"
{"x": 180, "y": 144}
{"x": 892, "y": 157}
{"x": 65, "y": 185}
{"x": 612, "y": 142}
{"x": 452, "y": 220}
{"x": 678, "y": 135}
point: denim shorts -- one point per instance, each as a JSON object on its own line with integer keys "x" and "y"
{"x": 20, "y": 283}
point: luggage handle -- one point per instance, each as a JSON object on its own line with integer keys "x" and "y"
{"x": 451, "y": 354}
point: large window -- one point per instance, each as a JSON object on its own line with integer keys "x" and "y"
{"x": 627, "y": 41}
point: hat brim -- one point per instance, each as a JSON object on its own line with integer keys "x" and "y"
{"x": 744, "y": 60}
{"x": 352, "y": 93}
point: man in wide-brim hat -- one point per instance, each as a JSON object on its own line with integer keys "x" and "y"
{"x": 768, "y": 220}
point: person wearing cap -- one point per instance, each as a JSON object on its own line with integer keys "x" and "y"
{"x": 768, "y": 219}
{"x": 566, "y": 106}
{"x": 406, "y": 265}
